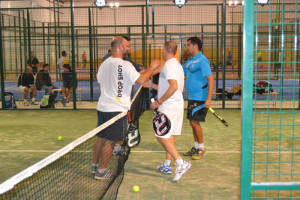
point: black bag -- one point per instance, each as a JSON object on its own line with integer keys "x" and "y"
{"x": 48, "y": 101}
{"x": 9, "y": 100}
{"x": 263, "y": 87}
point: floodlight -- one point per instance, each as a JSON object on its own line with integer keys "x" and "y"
{"x": 230, "y": 3}
{"x": 100, "y": 3}
{"x": 180, "y": 3}
{"x": 236, "y": 2}
{"x": 243, "y": 2}
{"x": 263, "y": 2}
{"x": 117, "y": 4}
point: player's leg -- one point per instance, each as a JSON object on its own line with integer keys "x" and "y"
{"x": 64, "y": 94}
{"x": 33, "y": 90}
{"x": 165, "y": 167}
{"x": 182, "y": 166}
{"x": 197, "y": 131}
{"x": 99, "y": 143}
{"x": 70, "y": 92}
{"x": 26, "y": 90}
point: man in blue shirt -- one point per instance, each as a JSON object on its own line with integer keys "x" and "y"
{"x": 199, "y": 85}
{"x": 128, "y": 51}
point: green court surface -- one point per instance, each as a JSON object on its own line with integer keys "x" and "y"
{"x": 29, "y": 136}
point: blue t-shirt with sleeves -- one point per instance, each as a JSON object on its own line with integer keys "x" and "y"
{"x": 196, "y": 69}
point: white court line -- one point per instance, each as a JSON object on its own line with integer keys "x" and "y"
{"x": 216, "y": 152}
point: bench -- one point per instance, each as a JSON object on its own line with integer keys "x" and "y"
{"x": 20, "y": 91}
{"x": 273, "y": 97}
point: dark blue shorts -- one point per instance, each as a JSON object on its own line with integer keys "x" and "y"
{"x": 195, "y": 114}
{"x": 114, "y": 132}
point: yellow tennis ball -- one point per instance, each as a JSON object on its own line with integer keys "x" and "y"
{"x": 59, "y": 138}
{"x": 136, "y": 188}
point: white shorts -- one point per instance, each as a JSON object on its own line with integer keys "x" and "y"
{"x": 175, "y": 113}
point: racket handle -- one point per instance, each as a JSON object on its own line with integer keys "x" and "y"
{"x": 211, "y": 110}
{"x": 129, "y": 116}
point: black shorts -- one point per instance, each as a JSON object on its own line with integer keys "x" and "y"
{"x": 198, "y": 115}
{"x": 114, "y": 132}
{"x": 34, "y": 69}
{"x": 68, "y": 85}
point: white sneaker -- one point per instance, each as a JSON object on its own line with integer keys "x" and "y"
{"x": 180, "y": 170}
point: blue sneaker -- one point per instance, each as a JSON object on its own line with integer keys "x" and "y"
{"x": 103, "y": 174}
{"x": 94, "y": 168}
{"x": 165, "y": 169}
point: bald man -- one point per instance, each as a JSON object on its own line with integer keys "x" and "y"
{"x": 26, "y": 82}
{"x": 171, "y": 103}
{"x": 115, "y": 77}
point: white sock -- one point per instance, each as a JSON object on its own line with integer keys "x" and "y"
{"x": 167, "y": 162}
{"x": 196, "y": 145}
{"x": 201, "y": 146}
{"x": 179, "y": 161}
{"x": 33, "y": 99}
{"x": 94, "y": 165}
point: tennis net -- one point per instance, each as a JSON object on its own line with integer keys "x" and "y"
{"x": 66, "y": 173}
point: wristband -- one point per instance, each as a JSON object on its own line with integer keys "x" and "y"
{"x": 159, "y": 102}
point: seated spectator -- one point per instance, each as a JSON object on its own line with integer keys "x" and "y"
{"x": 67, "y": 89}
{"x": 26, "y": 82}
{"x": 43, "y": 80}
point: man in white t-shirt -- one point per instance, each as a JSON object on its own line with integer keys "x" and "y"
{"x": 171, "y": 103}
{"x": 60, "y": 63}
{"x": 115, "y": 77}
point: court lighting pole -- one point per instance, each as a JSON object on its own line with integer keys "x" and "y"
{"x": 115, "y": 6}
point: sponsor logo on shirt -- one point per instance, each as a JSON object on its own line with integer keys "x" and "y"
{"x": 120, "y": 82}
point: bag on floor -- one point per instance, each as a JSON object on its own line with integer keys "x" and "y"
{"x": 9, "y": 100}
{"x": 48, "y": 101}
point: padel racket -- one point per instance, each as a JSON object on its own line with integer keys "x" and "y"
{"x": 133, "y": 136}
{"x": 217, "y": 116}
{"x": 161, "y": 123}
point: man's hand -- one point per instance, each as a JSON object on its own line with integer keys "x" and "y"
{"x": 154, "y": 105}
{"x": 207, "y": 103}
{"x": 148, "y": 84}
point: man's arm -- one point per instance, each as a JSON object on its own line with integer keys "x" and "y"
{"x": 210, "y": 90}
{"x": 171, "y": 90}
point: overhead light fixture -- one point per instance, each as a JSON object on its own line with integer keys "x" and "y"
{"x": 100, "y": 3}
{"x": 180, "y": 3}
{"x": 236, "y": 2}
{"x": 263, "y": 2}
{"x": 114, "y": 5}
{"x": 243, "y": 2}
{"x": 230, "y": 3}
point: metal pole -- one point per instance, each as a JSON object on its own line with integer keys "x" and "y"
{"x": 44, "y": 43}
{"x": 1, "y": 64}
{"x": 153, "y": 22}
{"x": 217, "y": 62}
{"x": 147, "y": 17}
{"x": 25, "y": 41}
{"x": 55, "y": 40}
{"x": 16, "y": 48}
{"x": 28, "y": 37}
{"x": 20, "y": 39}
{"x": 143, "y": 38}
{"x": 247, "y": 100}
{"x": 223, "y": 50}
{"x": 91, "y": 55}
{"x": 73, "y": 54}
{"x": 240, "y": 52}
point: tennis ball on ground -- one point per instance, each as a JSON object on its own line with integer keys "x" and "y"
{"x": 136, "y": 188}
{"x": 59, "y": 138}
